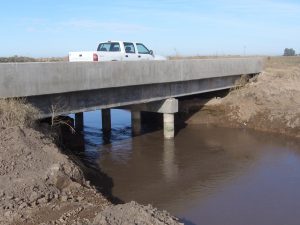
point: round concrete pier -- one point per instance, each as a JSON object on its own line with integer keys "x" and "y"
{"x": 169, "y": 125}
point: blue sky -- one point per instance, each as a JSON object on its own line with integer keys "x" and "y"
{"x": 187, "y": 27}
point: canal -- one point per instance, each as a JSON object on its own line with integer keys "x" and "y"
{"x": 206, "y": 175}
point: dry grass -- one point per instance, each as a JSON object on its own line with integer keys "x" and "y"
{"x": 240, "y": 83}
{"x": 177, "y": 57}
{"x": 18, "y": 59}
{"x": 16, "y": 112}
{"x": 282, "y": 62}
{"x": 270, "y": 62}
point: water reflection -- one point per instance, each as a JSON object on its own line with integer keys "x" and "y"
{"x": 204, "y": 172}
{"x": 94, "y": 137}
{"x": 170, "y": 168}
{"x": 156, "y": 169}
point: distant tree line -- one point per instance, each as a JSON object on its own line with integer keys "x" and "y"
{"x": 289, "y": 52}
{"x": 17, "y": 58}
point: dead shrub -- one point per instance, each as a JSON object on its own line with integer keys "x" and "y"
{"x": 16, "y": 112}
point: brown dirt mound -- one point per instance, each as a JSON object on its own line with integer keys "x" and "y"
{"x": 269, "y": 102}
{"x": 36, "y": 177}
{"x": 133, "y": 213}
{"x": 38, "y": 183}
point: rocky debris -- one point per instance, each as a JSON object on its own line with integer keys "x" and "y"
{"x": 133, "y": 213}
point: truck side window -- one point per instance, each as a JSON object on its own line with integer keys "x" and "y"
{"x": 109, "y": 46}
{"x": 114, "y": 47}
{"x": 129, "y": 47}
{"x": 142, "y": 49}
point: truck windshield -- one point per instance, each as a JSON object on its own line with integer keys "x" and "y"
{"x": 109, "y": 47}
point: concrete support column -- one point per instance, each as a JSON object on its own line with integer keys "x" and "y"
{"x": 106, "y": 120}
{"x": 79, "y": 122}
{"x": 106, "y": 125}
{"x": 169, "y": 126}
{"x": 167, "y": 107}
{"x": 136, "y": 123}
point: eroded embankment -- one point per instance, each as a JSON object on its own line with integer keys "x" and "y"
{"x": 270, "y": 101}
{"x": 39, "y": 184}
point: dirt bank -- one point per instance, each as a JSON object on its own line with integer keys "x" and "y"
{"x": 41, "y": 184}
{"x": 268, "y": 102}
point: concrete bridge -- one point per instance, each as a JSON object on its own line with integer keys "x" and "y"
{"x": 64, "y": 88}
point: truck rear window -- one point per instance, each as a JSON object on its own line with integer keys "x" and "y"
{"x": 109, "y": 47}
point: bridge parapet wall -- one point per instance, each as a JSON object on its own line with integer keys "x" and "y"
{"x": 36, "y": 79}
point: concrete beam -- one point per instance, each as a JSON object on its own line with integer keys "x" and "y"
{"x": 83, "y": 101}
{"x": 169, "y": 105}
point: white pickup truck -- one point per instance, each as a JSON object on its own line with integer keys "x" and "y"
{"x": 115, "y": 51}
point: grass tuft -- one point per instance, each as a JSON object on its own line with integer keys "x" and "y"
{"x": 16, "y": 112}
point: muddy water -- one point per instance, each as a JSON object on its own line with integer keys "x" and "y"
{"x": 205, "y": 175}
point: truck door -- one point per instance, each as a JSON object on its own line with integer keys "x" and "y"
{"x": 143, "y": 52}
{"x": 130, "y": 53}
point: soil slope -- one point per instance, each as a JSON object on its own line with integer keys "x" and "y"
{"x": 269, "y": 102}
{"x": 39, "y": 184}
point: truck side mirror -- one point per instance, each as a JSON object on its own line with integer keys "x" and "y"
{"x": 151, "y": 52}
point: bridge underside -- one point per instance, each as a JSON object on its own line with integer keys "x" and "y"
{"x": 82, "y": 101}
